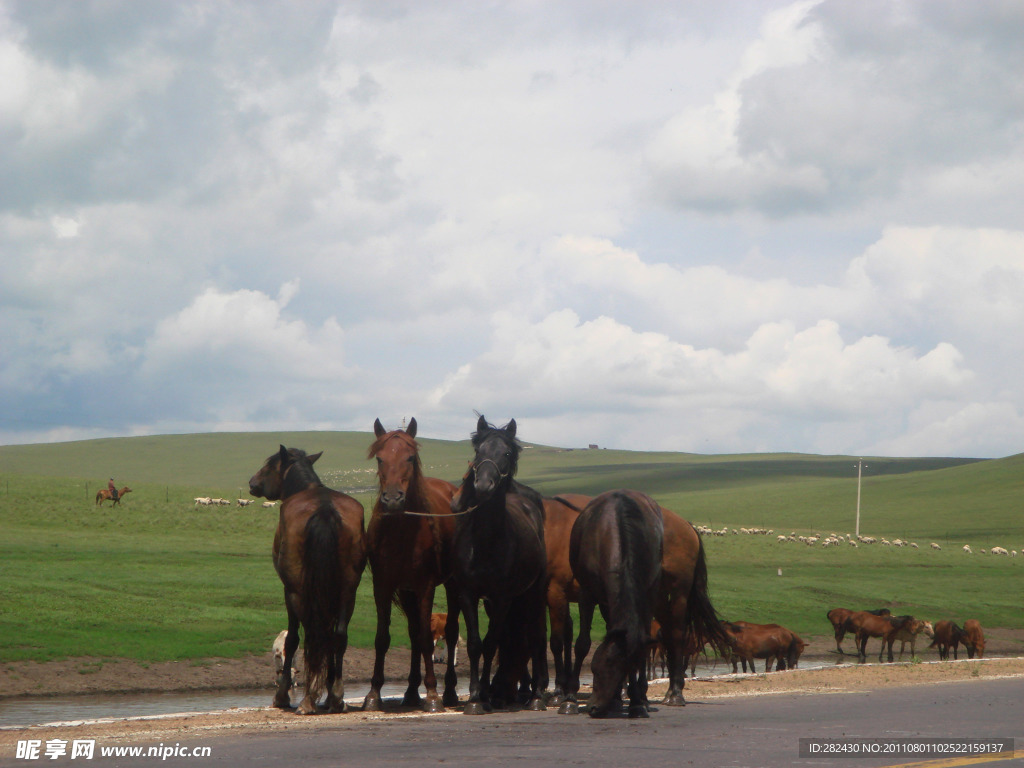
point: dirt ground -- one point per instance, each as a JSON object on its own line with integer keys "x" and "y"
{"x": 1005, "y": 658}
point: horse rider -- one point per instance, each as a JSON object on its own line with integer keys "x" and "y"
{"x": 112, "y": 488}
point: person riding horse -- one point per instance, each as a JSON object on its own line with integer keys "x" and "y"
{"x": 112, "y": 488}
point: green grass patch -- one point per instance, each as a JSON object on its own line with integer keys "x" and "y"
{"x": 158, "y": 578}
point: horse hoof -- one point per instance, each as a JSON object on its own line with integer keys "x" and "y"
{"x": 282, "y": 702}
{"x": 372, "y": 703}
{"x": 433, "y": 705}
{"x": 537, "y": 705}
{"x": 638, "y": 710}
{"x": 337, "y": 707}
{"x": 412, "y": 701}
{"x": 569, "y": 708}
{"x": 475, "y": 708}
{"x": 307, "y": 707}
{"x": 598, "y": 713}
{"x": 450, "y": 699}
{"x": 674, "y": 700}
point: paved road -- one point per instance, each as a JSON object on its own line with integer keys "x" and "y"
{"x": 749, "y": 731}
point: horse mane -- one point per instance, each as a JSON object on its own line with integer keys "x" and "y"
{"x": 301, "y": 468}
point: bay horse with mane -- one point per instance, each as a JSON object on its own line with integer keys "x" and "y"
{"x": 615, "y": 552}
{"x": 867, "y": 625}
{"x": 683, "y": 607}
{"x": 103, "y": 494}
{"x": 409, "y": 539}
{"x": 319, "y": 554}
{"x": 500, "y": 558}
{"x": 839, "y": 618}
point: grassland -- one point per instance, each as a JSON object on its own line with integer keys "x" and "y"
{"x": 159, "y": 578}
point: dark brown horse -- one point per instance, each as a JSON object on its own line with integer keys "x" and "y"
{"x": 103, "y": 494}
{"x": 771, "y": 642}
{"x": 949, "y": 634}
{"x": 409, "y": 540}
{"x": 683, "y": 607}
{"x": 839, "y": 617}
{"x": 500, "y": 557}
{"x": 615, "y": 552}
{"x": 319, "y": 553}
{"x": 867, "y": 625}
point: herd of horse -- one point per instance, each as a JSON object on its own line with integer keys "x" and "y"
{"x": 492, "y": 540}
{"x": 881, "y": 624}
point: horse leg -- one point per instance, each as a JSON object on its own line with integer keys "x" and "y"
{"x": 425, "y": 599}
{"x": 335, "y": 676}
{"x": 635, "y": 690}
{"x": 381, "y": 643}
{"x": 561, "y": 640}
{"x": 539, "y": 651}
{"x": 284, "y": 677}
{"x": 474, "y": 647}
{"x": 840, "y": 634}
{"x": 451, "y": 639}
{"x": 673, "y": 634}
{"x": 572, "y": 685}
{"x": 411, "y": 607}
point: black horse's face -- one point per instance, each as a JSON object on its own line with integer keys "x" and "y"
{"x": 497, "y": 457}
{"x": 267, "y": 482}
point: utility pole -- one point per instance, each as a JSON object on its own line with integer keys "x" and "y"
{"x": 860, "y": 466}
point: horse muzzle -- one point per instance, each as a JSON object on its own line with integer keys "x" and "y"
{"x": 393, "y": 501}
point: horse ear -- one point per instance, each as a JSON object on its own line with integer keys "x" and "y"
{"x": 314, "y": 457}
{"x": 510, "y": 428}
{"x": 282, "y": 454}
{"x": 411, "y": 429}
{"x": 481, "y": 423}
{"x": 378, "y": 428}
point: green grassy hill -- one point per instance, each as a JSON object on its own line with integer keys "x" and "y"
{"x": 159, "y": 578}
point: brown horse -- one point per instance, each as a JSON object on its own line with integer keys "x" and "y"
{"x": 319, "y": 554}
{"x": 615, "y": 551}
{"x": 909, "y": 632}
{"x": 770, "y": 642}
{"x": 103, "y": 494}
{"x": 975, "y": 639}
{"x": 839, "y": 617}
{"x": 867, "y": 625}
{"x": 409, "y": 539}
{"x": 683, "y": 607}
{"x": 948, "y": 635}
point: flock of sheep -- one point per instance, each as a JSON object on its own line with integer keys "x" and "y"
{"x": 211, "y": 501}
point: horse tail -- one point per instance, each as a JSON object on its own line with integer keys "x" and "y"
{"x": 637, "y": 562}
{"x": 321, "y": 576}
{"x": 702, "y": 621}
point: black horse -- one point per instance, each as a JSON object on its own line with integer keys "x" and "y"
{"x": 500, "y": 557}
{"x": 615, "y": 551}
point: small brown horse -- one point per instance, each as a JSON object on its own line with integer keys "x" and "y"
{"x": 615, "y": 552}
{"x": 771, "y": 642}
{"x": 409, "y": 539}
{"x": 319, "y": 554}
{"x": 975, "y": 639}
{"x": 948, "y": 635}
{"x": 103, "y": 494}
{"x": 839, "y": 617}
{"x": 909, "y": 632}
{"x": 867, "y": 625}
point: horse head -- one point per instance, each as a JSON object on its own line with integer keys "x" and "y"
{"x": 398, "y": 464}
{"x": 269, "y": 482}
{"x": 496, "y": 460}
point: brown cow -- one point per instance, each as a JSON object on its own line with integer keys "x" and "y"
{"x": 839, "y": 617}
{"x": 867, "y": 625}
{"x": 975, "y": 641}
{"x": 762, "y": 641}
{"x": 909, "y": 632}
{"x": 948, "y": 635}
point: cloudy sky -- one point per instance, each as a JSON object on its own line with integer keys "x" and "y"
{"x": 713, "y": 227}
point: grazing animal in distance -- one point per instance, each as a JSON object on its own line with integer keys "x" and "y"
{"x": 975, "y": 640}
{"x": 438, "y": 622}
{"x": 948, "y": 634}
{"x": 839, "y": 618}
